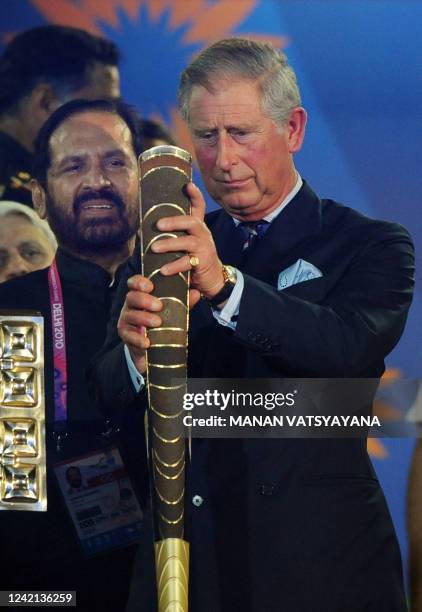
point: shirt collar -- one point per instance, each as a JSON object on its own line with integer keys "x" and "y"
{"x": 289, "y": 197}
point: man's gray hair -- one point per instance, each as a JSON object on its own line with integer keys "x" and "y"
{"x": 246, "y": 59}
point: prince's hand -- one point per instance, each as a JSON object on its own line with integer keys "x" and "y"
{"x": 201, "y": 257}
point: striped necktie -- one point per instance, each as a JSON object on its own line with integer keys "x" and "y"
{"x": 253, "y": 231}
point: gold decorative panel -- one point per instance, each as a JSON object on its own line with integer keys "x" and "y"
{"x": 22, "y": 413}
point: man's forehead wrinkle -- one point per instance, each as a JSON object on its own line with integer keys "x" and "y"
{"x": 235, "y": 114}
{"x": 67, "y": 141}
{"x": 81, "y": 155}
{"x": 222, "y": 106}
{"x": 227, "y": 113}
{"x": 208, "y": 111}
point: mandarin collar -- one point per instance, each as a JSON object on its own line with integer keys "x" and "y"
{"x": 81, "y": 271}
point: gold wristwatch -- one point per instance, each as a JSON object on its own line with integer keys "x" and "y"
{"x": 230, "y": 278}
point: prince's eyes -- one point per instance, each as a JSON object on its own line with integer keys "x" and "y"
{"x": 205, "y": 135}
{"x": 239, "y": 133}
{"x": 212, "y": 136}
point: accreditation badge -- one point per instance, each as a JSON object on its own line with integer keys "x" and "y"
{"x": 101, "y": 500}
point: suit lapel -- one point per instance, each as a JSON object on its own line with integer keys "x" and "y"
{"x": 228, "y": 239}
{"x": 281, "y": 246}
{"x": 284, "y": 242}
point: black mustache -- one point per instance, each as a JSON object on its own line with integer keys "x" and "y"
{"x": 101, "y": 194}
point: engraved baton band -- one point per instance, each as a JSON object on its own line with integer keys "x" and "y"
{"x": 164, "y": 172}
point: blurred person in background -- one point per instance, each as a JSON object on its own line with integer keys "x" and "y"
{"x": 41, "y": 69}
{"x": 26, "y": 241}
{"x": 154, "y": 134}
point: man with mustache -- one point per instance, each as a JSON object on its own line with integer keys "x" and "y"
{"x": 86, "y": 186}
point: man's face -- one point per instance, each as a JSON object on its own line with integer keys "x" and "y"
{"x": 92, "y": 184}
{"x": 74, "y": 477}
{"x": 245, "y": 158}
{"x": 103, "y": 81}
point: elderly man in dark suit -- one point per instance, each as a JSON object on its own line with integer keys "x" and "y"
{"x": 314, "y": 289}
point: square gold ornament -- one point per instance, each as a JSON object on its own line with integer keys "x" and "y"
{"x": 22, "y": 413}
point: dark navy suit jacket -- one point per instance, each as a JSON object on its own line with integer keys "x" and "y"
{"x": 291, "y": 525}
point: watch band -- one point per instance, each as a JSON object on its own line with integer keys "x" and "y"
{"x": 230, "y": 278}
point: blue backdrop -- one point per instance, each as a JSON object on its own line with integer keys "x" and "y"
{"x": 360, "y": 71}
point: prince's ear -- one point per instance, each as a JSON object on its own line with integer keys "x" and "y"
{"x": 296, "y": 128}
{"x": 39, "y": 198}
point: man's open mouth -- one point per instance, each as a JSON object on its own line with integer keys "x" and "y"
{"x": 98, "y": 205}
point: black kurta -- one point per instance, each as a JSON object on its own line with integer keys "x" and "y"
{"x": 53, "y": 559}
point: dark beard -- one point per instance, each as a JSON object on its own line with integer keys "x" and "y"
{"x": 92, "y": 236}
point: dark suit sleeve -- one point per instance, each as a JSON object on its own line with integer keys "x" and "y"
{"x": 353, "y": 324}
{"x": 109, "y": 380}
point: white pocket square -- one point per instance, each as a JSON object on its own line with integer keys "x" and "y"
{"x": 297, "y": 273}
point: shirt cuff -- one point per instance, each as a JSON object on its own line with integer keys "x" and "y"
{"x": 228, "y": 315}
{"x": 137, "y": 379}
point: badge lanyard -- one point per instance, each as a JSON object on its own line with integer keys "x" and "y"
{"x": 59, "y": 348}
{"x": 59, "y": 357}
{"x": 122, "y": 526}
